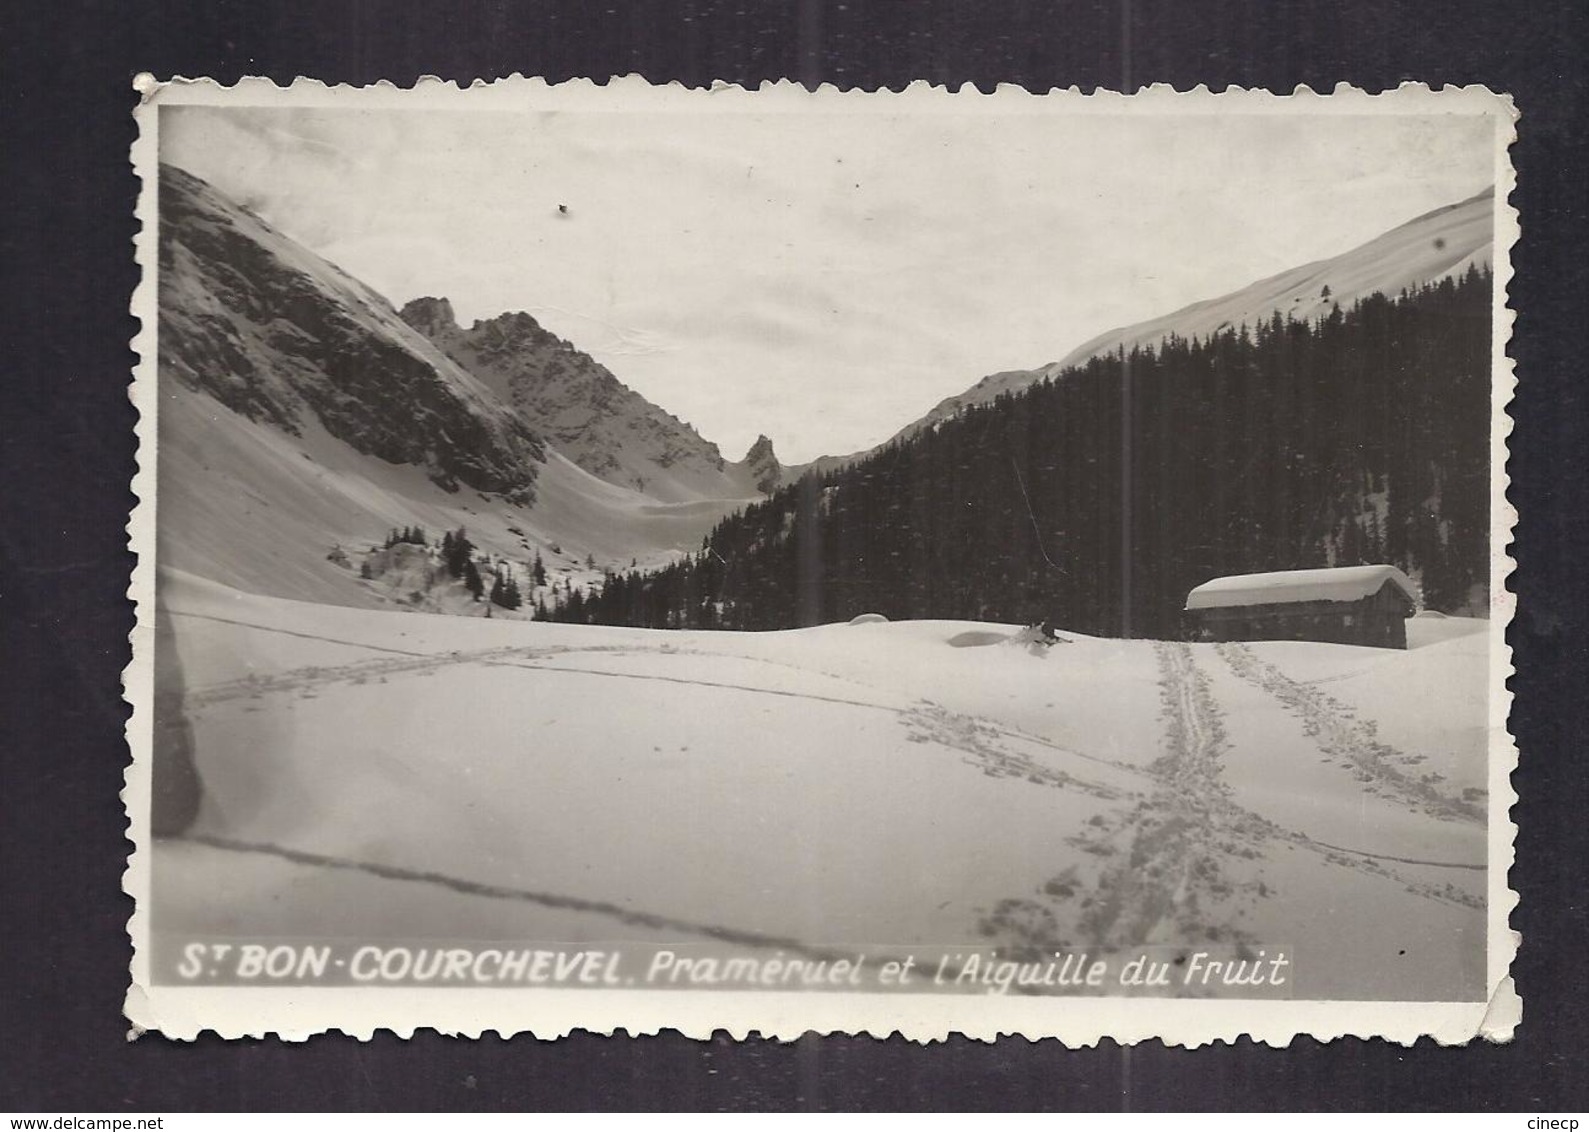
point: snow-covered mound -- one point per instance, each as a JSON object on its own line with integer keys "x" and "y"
{"x": 382, "y": 777}
{"x": 1440, "y": 244}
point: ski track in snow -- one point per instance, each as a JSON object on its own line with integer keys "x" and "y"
{"x": 1340, "y": 735}
{"x": 1181, "y": 863}
{"x": 979, "y": 740}
{"x": 1162, "y": 873}
{"x": 928, "y": 721}
{"x": 630, "y": 916}
{"x": 311, "y": 678}
{"x": 984, "y": 743}
{"x": 1187, "y": 863}
{"x": 1167, "y": 878}
{"x": 295, "y": 633}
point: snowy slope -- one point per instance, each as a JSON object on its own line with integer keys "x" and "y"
{"x": 298, "y": 412}
{"x": 247, "y": 504}
{"x": 1445, "y": 242}
{"x": 852, "y": 786}
{"x": 279, "y": 335}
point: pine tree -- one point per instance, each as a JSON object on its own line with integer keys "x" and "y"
{"x": 538, "y": 572}
{"x": 471, "y": 579}
{"x": 505, "y": 589}
{"x": 460, "y": 551}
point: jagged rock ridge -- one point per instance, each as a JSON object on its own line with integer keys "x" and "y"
{"x": 1439, "y": 244}
{"x": 762, "y": 463}
{"x": 584, "y": 411}
{"x": 281, "y": 336}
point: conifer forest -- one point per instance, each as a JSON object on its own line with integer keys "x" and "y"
{"x": 1099, "y": 497}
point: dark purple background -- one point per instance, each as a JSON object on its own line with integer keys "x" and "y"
{"x": 66, "y": 458}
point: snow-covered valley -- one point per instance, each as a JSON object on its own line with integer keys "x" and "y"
{"x": 386, "y": 757}
{"x": 404, "y": 776}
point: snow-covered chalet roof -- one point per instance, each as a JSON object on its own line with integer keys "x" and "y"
{"x": 1341, "y": 583}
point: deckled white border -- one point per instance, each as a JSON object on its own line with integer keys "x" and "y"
{"x": 299, "y": 1012}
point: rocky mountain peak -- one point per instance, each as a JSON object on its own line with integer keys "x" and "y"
{"x": 574, "y": 401}
{"x": 280, "y": 336}
{"x": 432, "y": 317}
{"x": 763, "y": 464}
{"x": 514, "y": 329}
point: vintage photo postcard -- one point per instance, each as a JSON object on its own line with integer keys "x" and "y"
{"x": 620, "y": 557}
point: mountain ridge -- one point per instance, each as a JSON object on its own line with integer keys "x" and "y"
{"x": 355, "y": 416}
{"x": 277, "y": 334}
{"x": 299, "y": 416}
{"x": 1437, "y": 244}
{"x": 582, "y": 408}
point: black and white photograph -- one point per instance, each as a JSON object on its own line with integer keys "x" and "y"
{"x": 774, "y": 558}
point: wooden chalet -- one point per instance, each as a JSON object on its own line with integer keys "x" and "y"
{"x": 1348, "y": 605}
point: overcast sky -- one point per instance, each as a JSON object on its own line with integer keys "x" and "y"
{"x": 827, "y": 284}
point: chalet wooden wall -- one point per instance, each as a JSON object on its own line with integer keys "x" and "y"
{"x": 1379, "y": 620}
